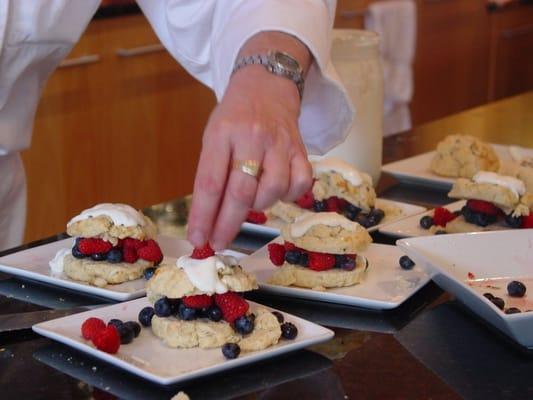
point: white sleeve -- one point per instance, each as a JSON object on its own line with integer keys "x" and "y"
{"x": 205, "y": 36}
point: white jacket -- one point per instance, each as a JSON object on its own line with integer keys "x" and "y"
{"x": 203, "y": 35}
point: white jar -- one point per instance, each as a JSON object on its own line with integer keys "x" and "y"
{"x": 355, "y": 55}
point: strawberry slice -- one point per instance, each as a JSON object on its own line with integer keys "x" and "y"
{"x": 483, "y": 206}
{"x": 306, "y": 200}
{"x": 321, "y": 261}
{"x": 441, "y": 216}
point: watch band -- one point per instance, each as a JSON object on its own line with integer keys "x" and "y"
{"x": 268, "y": 60}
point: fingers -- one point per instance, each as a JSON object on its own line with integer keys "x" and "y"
{"x": 274, "y": 181}
{"x": 301, "y": 177}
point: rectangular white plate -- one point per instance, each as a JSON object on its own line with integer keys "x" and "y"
{"x": 272, "y": 226}
{"x": 410, "y": 226}
{"x": 416, "y": 170}
{"x": 149, "y": 358}
{"x": 33, "y": 264}
{"x": 457, "y": 262}
{"x": 385, "y": 286}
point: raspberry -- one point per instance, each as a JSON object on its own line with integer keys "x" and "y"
{"x": 276, "y": 252}
{"x": 93, "y": 246}
{"x": 91, "y": 327}
{"x": 527, "y": 221}
{"x": 150, "y": 252}
{"x": 107, "y": 340}
{"x": 198, "y": 301}
{"x": 321, "y": 261}
{"x": 256, "y": 217}
{"x": 306, "y": 200}
{"x": 289, "y": 246}
{"x": 335, "y": 204}
{"x": 441, "y": 216}
{"x": 483, "y": 207}
{"x": 199, "y": 253}
{"x": 132, "y": 243}
{"x": 232, "y": 306}
{"x": 129, "y": 255}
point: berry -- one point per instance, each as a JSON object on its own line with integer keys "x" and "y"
{"x": 150, "y": 252}
{"x": 406, "y": 262}
{"x": 441, "y": 216}
{"x": 148, "y": 273}
{"x": 92, "y": 246}
{"x": 279, "y": 316}
{"x": 489, "y": 296}
{"x": 527, "y": 221}
{"x": 345, "y": 262}
{"x": 333, "y": 204}
{"x": 512, "y": 310}
{"x": 107, "y": 340}
{"x": 481, "y": 206}
{"x": 289, "y": 246}
{"x": 321, "y": 261}
{"x": 306, "y": 200}
{"x": 376, "y": 214}
{"x": 186, "y": 313}
{"x": 199, "y": 253}
{"x": 351, "y": 212}
{"x": 513, "y": 222}
{"x": 134, "y": 326}
{"x": 77, "y": 253}
{"x": 498, "y": 302}
{"x": 232, "y": 306}
{"x": 129, "y": 255}
{"x": 292, "y": 256}
{"x": 99, "y": 256}
{"x": 516, "y": 289}
{"x": 198, "y": 301}
{"x": 426, "y": 222}
{"x": 162, "y": 307}
{"x": 115, "y": 322}
{"x": 131, "y": 243}
{"x": 319, "y": 206}
{"x": 304, "y": 259}
{"x": 145, "y": 316}
{"x": 91, "y": 327}
{"x": 214, "y": 314}
{"x": 289, "y": 330}
{"x": 276, "y": 253}
{"x": 114, "y": 256}
{"x": 244, "y": 325}
{"x": 231, "y": 350}
{"x": 125, "y": 333}
{"x": 363, "y": 220}
{"x": 174, "y": 305}
{"x": 256, "y": 217}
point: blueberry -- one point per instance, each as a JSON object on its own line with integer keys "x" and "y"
{"x": 244, "y": 325}
{"x": 134, "y": 326}
{"x": 489, "y": 296}
{"x": 292, "y": 256}
{"x": 114, "y": 256}
{"x": 78, "y": 240}
{"x": 516, "y": 289}
{"x": 162, "y": 307}
{"x": 201, "y": 312}
{"x": 77, "y": 253}
{"x": 279, "y": 316}
{"x": 512, "y": 310}
{"x": 145, "y": 316}
{"x": 365, "y": 221}
{"x": 378, "y": 214}
{"x": 214, "y": 313}
{"x": 513, "y": 222}
{"x": 288, "y": 330}
{"x": 186, "y": 313}
{"x": 319, "y": 206}
{"x": 498, "y": 302}
{"x": 441, "y": 232}
{"x": 304, "y": 259}
{"x": 115, "y": 322}
{"x": 344, "y": 262}
{"x": 126, "y": 334}
{"x": 148, "y": 273}
{"x": 174, "y": 305}
{"x": 479, "y": 219}
{"x": 231, "y": 350}
{"x": 426, "y": 222}
{"x": 351, "y": 212}
{"x": 406, "y": 262}
{"x": 98, "y": 256}
{"x": 467, "y": 212}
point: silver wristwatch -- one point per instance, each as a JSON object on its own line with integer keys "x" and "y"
{"x": 278, "y": 63}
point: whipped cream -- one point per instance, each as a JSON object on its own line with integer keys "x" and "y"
{"x": 120, "y": 214}
{"x": 347, "y": 171}
{"x": 305, "y": 222}
{"x": 513, "y": 184}
{"x": 203, "y": 274}
{"x": 56, "y": 264}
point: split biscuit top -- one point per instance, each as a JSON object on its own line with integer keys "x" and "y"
{"x": 463, "y": 156}
{"x": 112, "y": 222}
{"x": 327, "y": 232}
{"x": 189, "y": 277}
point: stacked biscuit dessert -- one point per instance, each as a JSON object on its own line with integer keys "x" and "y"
{"x": 337, "y": 187}
{"x": 114, "y": 244}
{"x": 320, "y": 251}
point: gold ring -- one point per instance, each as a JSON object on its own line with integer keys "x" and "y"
{"x": 249, "y": 167}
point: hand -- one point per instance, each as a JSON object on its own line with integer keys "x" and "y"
{"x": 257, "y": 119}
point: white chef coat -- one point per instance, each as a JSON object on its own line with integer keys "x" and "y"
{"x": 203, "y": 35}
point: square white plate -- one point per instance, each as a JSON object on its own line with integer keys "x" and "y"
{"x": 416, "y": 170}
{"x": 33, "y": 264}
{"x": 149, "y": 358}
{"x": 384, "y": 287}
{"x": 272, "y": 227}
{"x": 471, "y": 264}
{"x": 410, "y": 226}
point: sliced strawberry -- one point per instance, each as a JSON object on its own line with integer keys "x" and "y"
{"x": 93, "y": 246}
{"x": 306, "y": 200}
{"x": 527, "y": 221}
{"x": 276, "y": 253}
{"x": 256, "y": 217}
{"x": 198, "y": 301}
{"x": 333, "y": 204}
{"x": 321, "y": 261}
{"x": 232, "y": 306}
{"x": 441, "y": 216}
{"x": 482, "y": 206}
{"x": 199, "y": 253}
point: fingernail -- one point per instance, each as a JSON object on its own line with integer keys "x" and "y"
{"x": 196, "y": 238}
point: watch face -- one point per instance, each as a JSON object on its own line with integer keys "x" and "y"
{"x": 287, "y": 62}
